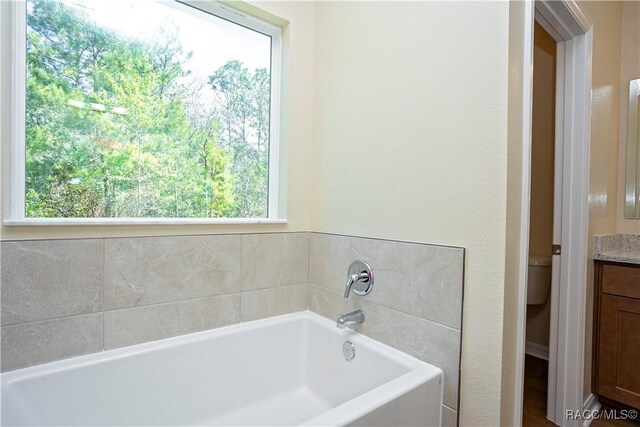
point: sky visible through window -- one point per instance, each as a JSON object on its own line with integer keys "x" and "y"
{"x": 212, "y": 40}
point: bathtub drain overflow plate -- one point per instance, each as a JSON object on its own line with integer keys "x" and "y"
{"x": 348, "y": 350}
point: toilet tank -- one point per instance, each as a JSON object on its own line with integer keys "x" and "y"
{"x": 539, "y": 279}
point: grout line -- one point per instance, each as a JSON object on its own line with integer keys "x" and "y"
{"x": 206, "y": 297}
{"x": 363, "y": 299}
{"x": 240, "y": 314}
{"x": 159, "y": 236}
{"x": 104, "y": 256}
{"x": 309, "y": 270}
{"x": 411, "y": 242}
{"x": 411, "y": 315}
{"x": 461, "y": 341}
{"x": 309, "y": 257}
{"x": 153, "y": 236}
{"x": 155, "y": 304}
{"x": 104, "y": 311}
{"x": 449, "y": 407}
{"x": 73, "y": 316}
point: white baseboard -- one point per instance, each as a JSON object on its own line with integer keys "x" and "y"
{"x": 591, "y": 404}
{"x": 536, "y": 350}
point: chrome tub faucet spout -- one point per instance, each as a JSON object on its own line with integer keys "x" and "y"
{"x": 353, "y": 318}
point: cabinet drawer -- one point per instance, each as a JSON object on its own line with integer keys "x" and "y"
{"x": 621, "y": 280}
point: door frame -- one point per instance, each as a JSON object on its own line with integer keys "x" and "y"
{"x": 566, "y": 22}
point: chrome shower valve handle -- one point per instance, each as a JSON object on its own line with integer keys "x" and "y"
{"x": 360, "y": 279}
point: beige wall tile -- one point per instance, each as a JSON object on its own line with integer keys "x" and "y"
{"x": 153, "y": 322}
{"x": 276, "y": 259}
{"x": 416, "y": 303}
{"x": 273, "y": 302}
{"x": 328, "y": 261}
{"x": 163, "y": 269}
{"x": 422, "y": 280}
{"x": 157, "y": 288}
{"x": 41, "y": 342}
{"x": 449, "y": 417}
{"x": 327, "y": 303}
{"x": 50, "y": 279}
{"x": 424, "y": 340}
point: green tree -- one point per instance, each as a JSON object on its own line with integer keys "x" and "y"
{"x": 244, "y": 100}
{"x": 120, "y": 128}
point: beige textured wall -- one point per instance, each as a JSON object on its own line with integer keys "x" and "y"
{"x": 629, "y": 70}
{"x": 542, "y": 163}
{"x": 606, "y": 17}
{"x": 410, "y": 142}
{"x": 542, "y": 142}
{"x": 297, "y": 114}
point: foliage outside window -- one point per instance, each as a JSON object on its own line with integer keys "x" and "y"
{"x": 144, "y": 109}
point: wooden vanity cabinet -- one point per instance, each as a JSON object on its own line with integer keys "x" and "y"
{"x": 616, "y": 332}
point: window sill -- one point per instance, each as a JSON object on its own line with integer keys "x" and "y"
{"x": 138, "y": 221}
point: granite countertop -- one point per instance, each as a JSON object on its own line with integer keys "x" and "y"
{"x": 631, "y": 257}
{"x": 617, "y": 248}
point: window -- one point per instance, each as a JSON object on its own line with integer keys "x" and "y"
{"x": 139, "y": 110}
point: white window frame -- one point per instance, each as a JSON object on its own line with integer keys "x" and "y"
{"x": 14, "y": 27}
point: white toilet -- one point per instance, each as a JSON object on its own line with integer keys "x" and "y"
{"x": 539, "y": 279}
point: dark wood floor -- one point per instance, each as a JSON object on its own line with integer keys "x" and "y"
{"x": 535, "y": 397}
{"x": 535, "y": 392}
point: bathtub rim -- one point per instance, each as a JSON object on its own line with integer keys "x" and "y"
{"x": 89, "y": 359}
{"x": 418, "y": 372}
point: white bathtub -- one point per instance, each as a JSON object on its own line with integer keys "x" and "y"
{"x": 286, "y": 370}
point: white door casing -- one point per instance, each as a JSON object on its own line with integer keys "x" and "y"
{"x": 570, "y": 27}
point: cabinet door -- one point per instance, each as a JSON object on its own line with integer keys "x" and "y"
{"x": 619, "y": 348}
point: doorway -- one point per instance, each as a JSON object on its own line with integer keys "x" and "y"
{"x": 541, "y": 222}
{"x": 565, "y": 22}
